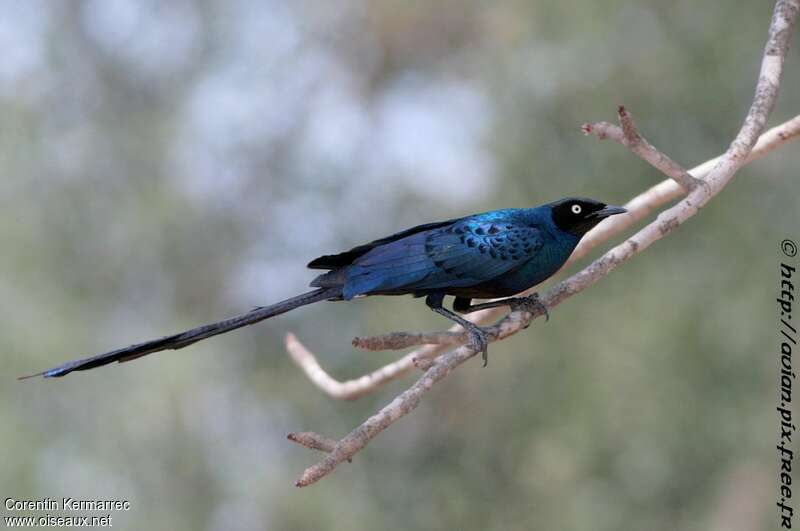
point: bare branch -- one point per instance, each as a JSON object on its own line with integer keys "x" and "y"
{"x": 401, "y": 340}
{"x": 666, "y": 191}
{"x": 348, "y": 390}
{"x": 629, "y": 136}
{"x": 355, "y": 388}
{"x": 313, "y": 441}
{"x": 603, "y": 131}
{"x": 725, "y": 167}
{"x": 397, "y": 408}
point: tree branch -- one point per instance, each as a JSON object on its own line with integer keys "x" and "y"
{"x": 718, "y": 177}
{"x": 628, "y": 135}
{"x": 313, "y": 441}
{"x": 401, "y": 340}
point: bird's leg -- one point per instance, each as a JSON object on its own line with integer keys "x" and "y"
{"x": 529, "y": 304}
{"x": 478, "y": 338}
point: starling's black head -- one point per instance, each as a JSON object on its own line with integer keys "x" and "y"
{"x": 578, "y": 215}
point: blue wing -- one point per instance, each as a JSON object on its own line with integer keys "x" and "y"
{"x": 334, "y": 261}
{"x": 465, "y": 253}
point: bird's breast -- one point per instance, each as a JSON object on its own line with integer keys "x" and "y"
{"x": 535, "y": 271}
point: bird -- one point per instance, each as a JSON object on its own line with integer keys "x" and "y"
{"x": 491, "y": 255}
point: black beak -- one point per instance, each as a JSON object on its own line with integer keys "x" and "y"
{"x": 607, "y": 211}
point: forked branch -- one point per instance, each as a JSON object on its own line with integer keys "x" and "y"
{"x": 630, "y": 137}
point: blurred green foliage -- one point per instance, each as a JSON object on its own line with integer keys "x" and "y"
{"x": 167, "y": 165}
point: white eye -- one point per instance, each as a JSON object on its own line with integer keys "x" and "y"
{"x": 576, "y": 209}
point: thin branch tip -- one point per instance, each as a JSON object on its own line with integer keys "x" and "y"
{"x": 314, "y": 441}
{"x": 629, "y": 128}
{"x": 628, "y": 134}
{"x": 423, "y": 364}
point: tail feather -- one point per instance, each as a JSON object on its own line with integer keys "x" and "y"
{"x": 184, "y": 339}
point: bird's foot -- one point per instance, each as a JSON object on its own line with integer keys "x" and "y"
{"x": 479, "y": 342}
{"x": 530, "y": 304}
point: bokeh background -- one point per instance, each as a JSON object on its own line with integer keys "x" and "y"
{"x": 167, "y": 164}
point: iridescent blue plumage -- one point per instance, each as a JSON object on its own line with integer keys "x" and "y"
{"x": 482, "y": 256}
{"x": 494, "y": 254}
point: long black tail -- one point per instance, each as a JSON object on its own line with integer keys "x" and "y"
{"x": 184, "y": 339}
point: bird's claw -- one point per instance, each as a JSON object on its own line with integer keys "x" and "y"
{"x": 479, "y": 342}
{"x": 530, "y": 304}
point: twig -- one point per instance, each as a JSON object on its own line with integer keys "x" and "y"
{"x": 314, "y": 441}
{"x": 406, "y": 402}
{"x": 639, "y": 208}
{"x": 766, "y": 92}
{"x": 349, "y": 390}
{"x": 352, "y": 389}
{"x": 666, "y": 191}
{"x": 401, "y": 340}
{"x": 630, "y": 137}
